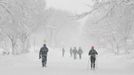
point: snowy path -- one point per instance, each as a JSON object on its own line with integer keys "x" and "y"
{"x": 30, "y": 65}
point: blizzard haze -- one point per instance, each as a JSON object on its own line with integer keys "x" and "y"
{"x": 69, "y": 28}
{"x": 74, "y": 6}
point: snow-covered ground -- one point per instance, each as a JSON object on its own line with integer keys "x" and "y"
{"x": 29, "y": 64}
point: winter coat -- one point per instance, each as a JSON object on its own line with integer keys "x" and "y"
{"x": 43, "y": 52}
{"x": 93, "y": 53}
{"x": 80, "y": 51}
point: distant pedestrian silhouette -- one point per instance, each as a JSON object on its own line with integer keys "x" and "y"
{"x": 75, "y": 53}
{"x": 43, "y": 55}
{"x": 80, "y": 51}
{"x": 71, "y": 52}
{"x": 63, "y": 52}
{"x": 92, "y": 53}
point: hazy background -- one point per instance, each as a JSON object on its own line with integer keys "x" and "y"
{"x": 25, "y": 25}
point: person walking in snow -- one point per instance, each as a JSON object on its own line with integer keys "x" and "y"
{"x": 63, "y": 52}
{"x": 71, "y": 52}
{"x": 75, "y": 53}
{"x": 43, "y": 55}
{"x": 80, "y": 51}
{"x": 92, "y": 53}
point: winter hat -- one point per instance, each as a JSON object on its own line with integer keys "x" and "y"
{"x": 44, "y": 45}
{"x": 92, "y": 46}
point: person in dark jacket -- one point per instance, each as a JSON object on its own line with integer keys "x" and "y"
{"x": 71, "y": 52}
{"x": 92, "y": 53}
{"x": 63, "y": 52}
{"x": 43, "y": 55}
{"x": 75, "y": 53}
{"x": 80, "y": 51}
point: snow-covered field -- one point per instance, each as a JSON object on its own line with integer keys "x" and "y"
{"x": 29, "y": 64}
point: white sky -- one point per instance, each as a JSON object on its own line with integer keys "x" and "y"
{"x": 75, "y": 6}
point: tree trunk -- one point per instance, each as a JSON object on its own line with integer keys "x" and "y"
{"x": 25, "y": 46}
{"x": 117, "y": 49}
{"x": 125, "y": 46}
{"x": 13, "y": 47}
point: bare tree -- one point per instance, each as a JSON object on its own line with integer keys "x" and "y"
{"x": 105, "y": 7}
{"x": 23, "y": 17}
{"x": 119, "y": 16}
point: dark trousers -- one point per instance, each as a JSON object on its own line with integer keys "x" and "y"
{"x": 44, "y": 61}
{"x": 92, "y": 59}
